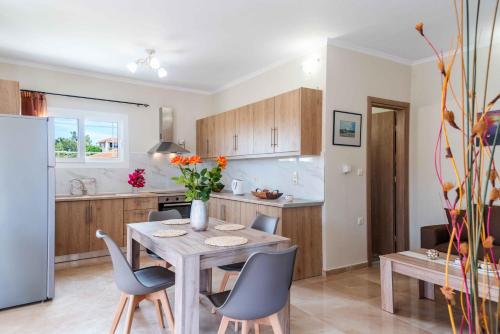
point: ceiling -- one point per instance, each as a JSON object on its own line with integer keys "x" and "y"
{"x": 205, "y": 45}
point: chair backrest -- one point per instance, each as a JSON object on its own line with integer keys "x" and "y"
{"x": 164, "y": 215}
{"x": 265, "y": 223}
{"x": 122, "y": 272}
{"x": 262, "y": 287}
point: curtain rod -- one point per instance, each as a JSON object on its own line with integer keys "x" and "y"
{"x": 87, "y": 98}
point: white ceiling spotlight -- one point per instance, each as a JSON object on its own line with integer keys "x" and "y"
{"x": 149, "y": 61}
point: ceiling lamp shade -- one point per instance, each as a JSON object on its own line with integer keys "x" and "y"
{"x": 150, "y": 61}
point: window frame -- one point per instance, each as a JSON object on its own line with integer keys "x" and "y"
{"x": 82, "y": 161}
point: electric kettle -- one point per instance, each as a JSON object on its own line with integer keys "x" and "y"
{"x": 237, "y": 187}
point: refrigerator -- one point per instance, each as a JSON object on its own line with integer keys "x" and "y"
{"x": 27, "y": 210}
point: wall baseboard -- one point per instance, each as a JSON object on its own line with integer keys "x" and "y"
{"x": 330, "y": 272}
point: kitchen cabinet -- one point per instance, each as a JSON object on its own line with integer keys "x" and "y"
{"x": 301, "y": 224}
{"x": 286, "y": 134}
{"x": 10, "y": 97}
{"x": 77, "y": 221}
{"x": 106, "y": 215}
{"x": 289, "y": 124}
{"x": 263, "y": 126}
{"x": 72, "y": 227}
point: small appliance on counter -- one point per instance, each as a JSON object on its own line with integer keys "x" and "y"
{"x": 237, "y": 187}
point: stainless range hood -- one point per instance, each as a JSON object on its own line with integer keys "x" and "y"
{"x": 166, "y": 144}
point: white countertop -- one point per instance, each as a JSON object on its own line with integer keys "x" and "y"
{"x": 280, "y": 202}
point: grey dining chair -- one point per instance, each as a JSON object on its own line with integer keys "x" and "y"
{"x": 261, "y": 291}
{"x": 146, "y": 283}
{"x": 155, "y": 216}
{"x": 262, "y": 223}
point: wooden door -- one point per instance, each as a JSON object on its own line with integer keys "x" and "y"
{"x": 219, "y": 134}
{"x": 10, "y": 97}
{"x": 244, "y": 130}
{"x": 230, "y": 211}
{"x": 263, "y": 125}
{"x": 201, "y": 138}
{"x": 382, "y": 183}
{"x": 106, "y": 215}
{"x": 401, "y": 174}
{"x": 229, "y": 131}
{"x": 248, "y": 213}
{"x": 72, "y": 227}
{"x": 213, "y": 208}
{"x": 287, "y": 122}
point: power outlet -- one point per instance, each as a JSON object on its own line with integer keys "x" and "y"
{"x": 361, "y": 221}
{"x": 295, "y": 178}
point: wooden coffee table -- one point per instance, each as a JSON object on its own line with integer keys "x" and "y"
{"x": 429, "y": 272}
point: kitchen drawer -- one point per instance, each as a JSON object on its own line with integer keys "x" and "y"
{"x": 140, "y": 203}
{"x": 136, "y": 216}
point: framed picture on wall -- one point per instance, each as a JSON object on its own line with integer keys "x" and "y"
{"x": 346, "y": 128}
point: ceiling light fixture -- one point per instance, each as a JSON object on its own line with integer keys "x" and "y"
{"x": 149, "y": 61}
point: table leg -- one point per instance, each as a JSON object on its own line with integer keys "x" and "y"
{"x": 425, "y": 290}
{"x": 386, "y": 285}
{"x": 206, "y": 281}
{"x": 187, "y": 286}
{"x": 133, "y": 252}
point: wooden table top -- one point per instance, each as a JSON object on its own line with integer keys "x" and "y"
{"x": 426, "y": 264}
{"x": 193, "y": 243}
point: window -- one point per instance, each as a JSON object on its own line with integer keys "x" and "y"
{"x": 89, "y": 138}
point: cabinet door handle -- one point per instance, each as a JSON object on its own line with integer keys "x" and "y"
{"x": 223, "y": 212}
{"x": 276, "y": 136}
{"x": 272, "y": 137}
{"x": 236, "y": 141}
{"x": 207, "y": 147}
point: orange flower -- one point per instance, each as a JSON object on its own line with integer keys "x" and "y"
{"x": 488, "y": 242}
{"x": 420, "y": 28}
{"x": 176, "y": 160}
{"x": 195, "y": 159}
{"x": 184, "y": 161}
{"x": 448, "y": 293}
{"x": 221, "y": 161}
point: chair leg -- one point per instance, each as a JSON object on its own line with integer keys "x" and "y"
{"x": 130, "y": 313}
{"x": 119, "y": 312}
{"x": 244, "y": 327}
{"x": 158, "y": 313}
{"x": 167, "y": 310}
{"x": 224, "y": 282}
{"x": 275, "y": 323}
{"x": 236, "y": 323}
{"x": 256, "y": 328}
{"x": 223, "y": 325}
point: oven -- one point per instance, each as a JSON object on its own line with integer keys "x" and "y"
{"x": 177, "y": 201}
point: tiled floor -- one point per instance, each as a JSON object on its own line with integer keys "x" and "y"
{"x": 86, "y": 298}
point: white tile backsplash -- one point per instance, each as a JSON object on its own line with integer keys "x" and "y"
{"x": 271, "y": 173}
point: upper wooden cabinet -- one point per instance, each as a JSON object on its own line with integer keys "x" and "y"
{"x": 284, "y": 125}
{"x": 10, "y": 97}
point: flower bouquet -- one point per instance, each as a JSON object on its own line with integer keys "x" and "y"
{"x": 137, "y": 179}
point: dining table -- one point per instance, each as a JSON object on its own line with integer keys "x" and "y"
{"x": 193, "y": 261}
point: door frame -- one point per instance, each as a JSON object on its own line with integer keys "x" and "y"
{"x": 399, "y": 107}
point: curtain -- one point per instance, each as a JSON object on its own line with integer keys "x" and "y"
{"x": 33, "y": 104}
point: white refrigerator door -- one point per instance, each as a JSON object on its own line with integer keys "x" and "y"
{"x": 23, "y": 210}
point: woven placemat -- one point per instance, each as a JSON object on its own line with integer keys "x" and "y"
{"x": 168, "y": 233}
{"x": 229, "y": 227}
{"x": 226, "y": 241}
{"x": 181, "y": 221}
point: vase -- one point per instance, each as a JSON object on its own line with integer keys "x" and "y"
{"x": 199, "y": 215}
{"x": 135, "y": 190}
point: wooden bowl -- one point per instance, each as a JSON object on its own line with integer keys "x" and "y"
{"x": 266, "y": 194}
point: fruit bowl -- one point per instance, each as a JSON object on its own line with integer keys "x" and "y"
{"x": 266, "y": 194}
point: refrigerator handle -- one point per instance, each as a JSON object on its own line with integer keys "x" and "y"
{"x": 50, "y": 142}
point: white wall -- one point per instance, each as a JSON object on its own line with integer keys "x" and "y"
{"x": 350, "y": 78}
{"x": 143, "y": 122}
{"x": 426, "y": 206}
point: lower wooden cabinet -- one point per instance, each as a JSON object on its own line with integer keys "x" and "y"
{"x": 106, "y": 215}
{"x": 78, "y": 220}
{"x": 302, "y": 225}
{"x": 72, "y": 227}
